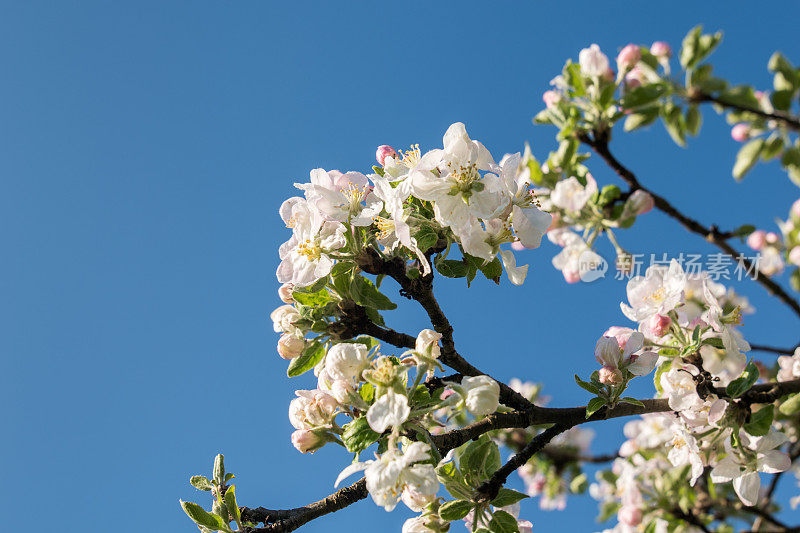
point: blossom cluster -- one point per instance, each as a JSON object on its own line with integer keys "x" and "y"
{"x": 776, "y": 251}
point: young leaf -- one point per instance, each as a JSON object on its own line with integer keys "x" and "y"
{"x": 366, "y": 294}
{"x": 358, "y": 436}
{"x": 594, "y": 405}
{"x": 201, "y": 483}
{"x": 230, "y": 503}
{"x": 740, "y": 385}
{"x": 594, "y": 389}
{"x": 502, "y": 522}
{"x": 455, "y": 510}
{"x": 312, "y": 354}
{"x": 506, "y": 497}
{"x": 747, "y": 157}
{"x": 202, "y": 517}
{"x": 760, "y": 421}
{"x": 791, "y": 406}
{"x": 633, "y": 401}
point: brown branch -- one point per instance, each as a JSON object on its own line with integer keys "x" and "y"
{"x": 773, "y": 349}
{"x": 598, "y": 141}
{"x": 421, "y": 290}
{"x": 790, "y": 121}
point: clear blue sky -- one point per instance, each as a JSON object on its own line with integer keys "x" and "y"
{"x": 144, "y": 151}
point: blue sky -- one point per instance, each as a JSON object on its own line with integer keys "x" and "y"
{"x": 144, "y": 150}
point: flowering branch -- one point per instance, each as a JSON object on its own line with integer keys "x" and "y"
{"x": 598, "y": 141}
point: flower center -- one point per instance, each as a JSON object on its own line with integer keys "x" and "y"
{"x": 657, "y": 296}
{"x": 309, "y": 249}
{"x": 411, "y": 157}
{"x": 385, "y": 226}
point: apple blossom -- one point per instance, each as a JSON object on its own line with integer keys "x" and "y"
{"x": 528, "y": 221}
{"x": 638, "y": 203}
{"x": 658, "y": 325}
{"x": 744, "y": 473}
{"x": 628, "y": 57}
{"x": 659, "y": 291}
{"x": 482, "y": 395}
{"x": 740, "y": 132}
{"x": 285, "y": 293}
{"x": 615, "y": 358}
{"x": 389, "y": 411}
{"x": 794, "y": 255}
{"x": 551, "y": 99}
{"x": 569, "y": 194}
{"x": 312, "y": 409}
{"x": 391, "y": 473}
{"x": 661, "y": 49}
{"x": 789, "y": 366}
{"x": 305, "y": 257}
{"x": 346, "y": 360}
{"x": 307, "y": 441}
{"x": 283, "y": 319}
{"x": 383, "y": 152}
{"x": 290, "y": 346}
{"x": 757, "y": 240}
{"x": 593, "y": 62}
{"x": 684, "y": 451}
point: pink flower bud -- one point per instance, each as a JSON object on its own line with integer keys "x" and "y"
{"x": 661, "y": 49}
{"x": 572, "y": 276}
{"x": 771, "y": 237}
{"x": 659, "y": 324}
{"x": 290, "y": 346}
{"x": 757, "y": 239}
{"x": 628, "y": 57}
{"x": 635, "y": 78}
{"x": 740, "y": 132}
{"x": 306, "y": 441}
{"x": 285, "y": 293}
{"x": 622, "y": 335}
{"x": 795, "y": 210}
{"x": 551, "y": 98}
{"x": 610, "y": 375}
{"x": 794, "y": 255}
{"x": 639, "y": 203}
{"x": 383, "y": 152}
{"x": 630, "y": 516}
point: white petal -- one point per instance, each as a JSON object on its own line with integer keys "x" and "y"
{"x": 773, "y": 461}
{"x": 350, "y": 470}
{"x": 747, "y": 488}
{"x": 390, "y": 410}
{"x": 516, "y": 275}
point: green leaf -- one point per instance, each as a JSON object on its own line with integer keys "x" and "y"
{"x": 503, "y": 522}
{"x": 340, "y": 273}
{"x": 779, "y": 64}
{"x": 574, "y": 78}
{"x": 594, "y": 405}
{"x": 230, "y": 502}
{"x": 450, "y": 268}
{"x": 506, "y": 497}
{"x": 641, "y": 119}
{"x": 642, "y": 96}
{"x": 696, "y": 47}
{"x": 313, "y": 299}
{"x": 579, "y": 484}
{"x": 744, "y": 230}
{"x": 791, "y": 162}
{"x": 455, "y": 510}
{"x": 366, "y": 294}
{"x": 201, "y": 483}
{"x": 693, "y": 120}
{"x": 772, "y": 147}
{"x": 594, "y": 389}
{"x": 358, "y": 436}
{"x": 367, "y": 392}
{"x": 675, "y": 124}
{"x": 663, "y": 367}
{"x": 608, "y": 194}
{"x": 740, "y": 385}
{"x": 312, "y": 354}
{"x": 219, "y": 468}
{"x": 493, "y": 270}
{"x": 791, "y": 406}
{"x": 202, "y": 517}
{"x": 782, "y": 100}
{"x": 426, "y": 238}
{"x": 747, "y": 157}
{"x": 760, "y": 421}
{"x": 741, "y": 96}
{"x": 633, "y": 401}
{"x": 480, "y": 458}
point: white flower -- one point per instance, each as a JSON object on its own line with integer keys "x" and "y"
{"x": 427, "y": 343}
{"x": 679, "y": 387}
{"x": 685, "y": 451}
{"x": 770, "y": 261}
{"x": 789, "y": 366}
{"x": 482, "y": 395}
{"x": 346, "y": 360}
{"x": 576, "y": 260}
{"x": 528, "y": 221}
{"x": 390, "y": 410}
{"x": 416, "y": 501}
{"x": 658, "y": 292}
{"x": 415, "y": 524}
{"x": 594, "y": 63}
{"x": 341, "y": 197}
{"x": 732, "y": 340}
{"x": 312, "y": 409}
{"x": 283, "y": 319}
{"x": 395, "y": 229}
{"x": 609, "y": 354}
{"x": 390, "y": 474}
{"x": 570, "y": 195}
{"x": 304, "y": 257}
{"x": 459, "y": 191}
{"x": 744, "y": 474}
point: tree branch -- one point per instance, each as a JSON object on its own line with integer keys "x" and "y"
{"x": 773, "y": 349}
{"x": 790, "y": 121}
{"x": 598, "y": 141}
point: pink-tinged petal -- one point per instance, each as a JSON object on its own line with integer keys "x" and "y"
{"x": 747, "y": 488}
{"x": 644, "y": 364}
{"x": 773, "y": 461}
